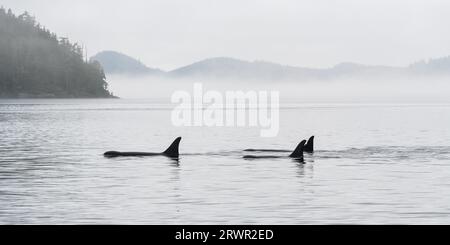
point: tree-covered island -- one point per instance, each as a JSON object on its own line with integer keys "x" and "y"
{"x": 36, "y": 63}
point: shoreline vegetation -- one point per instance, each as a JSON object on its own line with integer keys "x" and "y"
{"x": 36, "y": 63}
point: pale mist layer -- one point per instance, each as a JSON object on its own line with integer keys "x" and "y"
{"x": 394, "y": 90}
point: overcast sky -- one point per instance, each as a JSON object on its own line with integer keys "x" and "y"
{"x": 313, "y": 33}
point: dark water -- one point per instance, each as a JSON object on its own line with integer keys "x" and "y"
{"x": 375, "y": 163}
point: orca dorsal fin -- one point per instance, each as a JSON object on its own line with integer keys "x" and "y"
{"x": 172, "y": 151}
{"x": 309, "y": 147}
{"x": 298, "y": 153}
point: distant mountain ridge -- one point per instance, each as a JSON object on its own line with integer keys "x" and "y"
{"x": 231, "y": 68}
{"x": 118, "y": 63}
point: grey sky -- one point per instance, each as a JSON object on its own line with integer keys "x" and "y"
{"x": 315, "y": 33}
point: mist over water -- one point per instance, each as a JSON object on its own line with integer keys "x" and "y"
{"x": 364, "y": 90}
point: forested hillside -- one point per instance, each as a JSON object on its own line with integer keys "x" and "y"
{"x": 35, "y": 63}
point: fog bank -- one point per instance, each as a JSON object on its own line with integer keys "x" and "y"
{"x": 429, "y": 90}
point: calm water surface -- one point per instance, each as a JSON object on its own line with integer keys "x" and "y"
{"x": 375, "y": 163}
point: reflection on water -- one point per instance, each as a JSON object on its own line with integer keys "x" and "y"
{"x": 373, "y": 164}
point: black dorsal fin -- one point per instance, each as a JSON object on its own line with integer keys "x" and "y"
{"x": 172, "y": 151}
{"x": 309, "y": 147}
{"x": 298, "y": 153}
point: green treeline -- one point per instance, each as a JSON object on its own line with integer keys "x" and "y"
{"x": 35, "y": 63}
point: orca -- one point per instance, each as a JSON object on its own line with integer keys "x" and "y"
{"x": 265, "y": 150}
{"x": 296, "y": 154}
{"x": 309, "y": 147}
{"x": 172, "y": 152}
